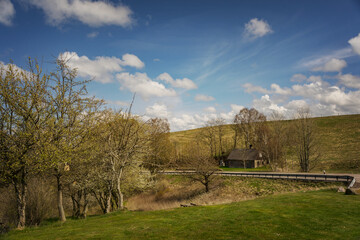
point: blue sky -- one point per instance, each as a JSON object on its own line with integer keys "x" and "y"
{"x": 192, "y": 61}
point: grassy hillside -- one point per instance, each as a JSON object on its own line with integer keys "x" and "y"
{"x": 311, "y": 215}
{"x": 339, "y": 138}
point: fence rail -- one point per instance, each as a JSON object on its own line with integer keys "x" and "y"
{"x": 290, "y": 176}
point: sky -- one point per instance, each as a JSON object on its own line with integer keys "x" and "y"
{"x": 193, "y": 61}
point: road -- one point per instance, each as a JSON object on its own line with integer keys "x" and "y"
{"x": 352, "y": 179}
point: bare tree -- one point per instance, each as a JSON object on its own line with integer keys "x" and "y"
{"x": 305, "y": 140}
{"x": 203, "y": 165}
{"x": 273, "y": 141}
{"x": 208, "y": 136}
{"x": 248, "y": 122}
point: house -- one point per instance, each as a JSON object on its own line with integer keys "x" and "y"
{"x": 244, "y": 158}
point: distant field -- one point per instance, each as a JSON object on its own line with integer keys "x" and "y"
{"x": 339, "y": 139}
{"x": 307, "y": 215}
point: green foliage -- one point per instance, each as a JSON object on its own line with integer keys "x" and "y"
{"x": 310, "y": 215}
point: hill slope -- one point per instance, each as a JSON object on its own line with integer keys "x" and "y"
{"x": 339, "y": 138}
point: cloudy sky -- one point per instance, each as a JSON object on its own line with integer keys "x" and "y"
{"x": 191, "y": 61}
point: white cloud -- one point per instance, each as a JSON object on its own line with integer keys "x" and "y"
{"x": 278, "y": 90}
{"x": 132, "y": 61}
{"x": 101, "y": 68}
{"x": 256, "y": 28}
{"x": 204, "y": 98}
{"x": 178, "y": 83}
{"x": 249, "y": 88}
{"x": 298, "y": 78}
{"x": 318, "y": 61}
{"x": 333, "y": 65}
{"x": 266, "y": 106}
{"x": 349, "y": 80}
{"x": 210, "y": 109}
{"x": 190, "y": 121}
{"x": 157, "y": 110}
{"x": 355, "y": 44}
{"x": 141, "y": 84}
{"x": 156, "y": 60}
{"x": 236, "y": 108}
{"x": 92, "y": 13}
{"x": 92, "y": 34}
{"x": 7, "y": 12}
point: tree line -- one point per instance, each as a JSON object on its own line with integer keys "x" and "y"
{"x": 51, "y": 129}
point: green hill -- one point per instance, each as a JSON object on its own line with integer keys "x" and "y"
{"x": 311, "y": 215}
{"x": 339, "y": 142}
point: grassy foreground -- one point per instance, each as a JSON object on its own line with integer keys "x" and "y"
{"x": 311, "y": 215}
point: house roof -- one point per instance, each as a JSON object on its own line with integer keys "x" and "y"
{"x": 244, "y": 154}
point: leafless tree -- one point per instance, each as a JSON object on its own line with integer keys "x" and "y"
{"x": 305, "y": 140}
{"x": 273, "y": 141}
{"x": 249, "y": 122}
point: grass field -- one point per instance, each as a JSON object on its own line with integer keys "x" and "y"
{"x": 338, "y": 137}
{"x": 308, "y": 215}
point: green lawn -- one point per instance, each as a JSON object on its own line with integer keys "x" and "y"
{"x": 310, "y": 215}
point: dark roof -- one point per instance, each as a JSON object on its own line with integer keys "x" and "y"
{"x": 244, "y": 154}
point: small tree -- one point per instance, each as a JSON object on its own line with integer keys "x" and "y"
{"x": 159, "y": 148}
{"x": 305, "y": 140}
{"x": 203, "y": 165}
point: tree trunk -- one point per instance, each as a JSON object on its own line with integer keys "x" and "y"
{"x": 21, "y": 191}
{"x": 120, "y": 194}
{"x": 62, "y": 216}
{"x": 86, "y": 203}
{"x": 108, "y": 200}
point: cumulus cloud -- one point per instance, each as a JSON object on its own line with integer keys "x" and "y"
{"x": 190, "y": 121}
{"x": 249, "y": 88}
{"x": 7, "y": 12}
{"x": 322, "y": 97}
{"x": 333, "y": 65}
{"x": 132, "y": 61}
{"x": 178, "y": 83}
{"x": 101, "y": 68}
{"x": 204, "y": 98}
{"x": 256, "y": 28}
{"x": 298, "y": 78}
{"x": 141, "y": 84}
{"x": 157, "y": 110}
{"x": 236, "y": 108}
{"x": 267, "y": 106}
{"x": 210, "y": 109}
{"x": 92, "y": 13}
{"x": 117, "y": 102}
{"x": 355, "y": 44}
{"x": 349, "y": 80}
{"x": 278, "y": 90}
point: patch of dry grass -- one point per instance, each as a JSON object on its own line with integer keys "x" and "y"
{"x": 171, "y": 191}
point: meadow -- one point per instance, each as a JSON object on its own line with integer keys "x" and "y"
{"x": 323, "y": 214}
